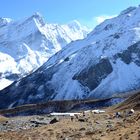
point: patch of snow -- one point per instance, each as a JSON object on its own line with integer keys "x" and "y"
{"x": 98, "y": 111}
{"x": 64, "y": 114}
{"x": 4, "y": 83}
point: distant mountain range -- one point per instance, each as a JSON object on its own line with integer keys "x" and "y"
{"x": 104, "y": 64}
{"x": 26, "y": 44}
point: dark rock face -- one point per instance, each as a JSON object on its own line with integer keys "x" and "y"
{"x": 31, "y": 89}
{"x": 93, "y": 76}
{"x": 132, "y": 54}
{"x": 109, "y": 26}
{"x": 12, "y": 76}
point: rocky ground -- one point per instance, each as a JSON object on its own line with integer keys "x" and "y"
{"x": 89, "y": 127}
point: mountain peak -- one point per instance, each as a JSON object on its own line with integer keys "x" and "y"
{"x": 74, "y": 24}
{"x": 4, "y": 21}
{"x": 33, "y": 42}
{"x": 37, "y": 17}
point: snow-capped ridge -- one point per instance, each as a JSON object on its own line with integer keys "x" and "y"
{"x": 29, "y": 42}
{"x": 128, "y": 10}
{"x": 5, "y": 21}
{"x": 38, "y": 18}
{"x": 74, "y": 24}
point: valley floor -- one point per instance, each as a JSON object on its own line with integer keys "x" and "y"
{"x": 89, "y": 127}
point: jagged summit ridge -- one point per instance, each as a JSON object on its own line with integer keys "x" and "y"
{"x": 38, "y": 19}
{"x": 30, "y": 42}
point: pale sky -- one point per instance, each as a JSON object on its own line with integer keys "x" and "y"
{"x": 88, "y": 12}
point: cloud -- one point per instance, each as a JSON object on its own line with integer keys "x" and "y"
{"x": 100, "y": 19}
{"x": 94, "y": 21}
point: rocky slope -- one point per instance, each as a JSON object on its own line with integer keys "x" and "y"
{"x": 131, "y": 102}
{"x": 26, "y": 44}
{"x": 88, "y": 127}
{"x": 59, "y": 106}
{"x": 105, "y": 63}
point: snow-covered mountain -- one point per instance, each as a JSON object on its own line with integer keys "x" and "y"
{"x": 105, "y": 63}
{"x": 27, "y": 44}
